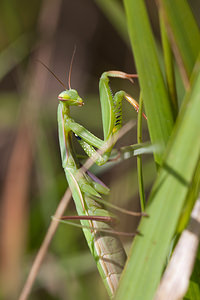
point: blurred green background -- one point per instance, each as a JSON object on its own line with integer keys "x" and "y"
{"x": 32, "y": 179}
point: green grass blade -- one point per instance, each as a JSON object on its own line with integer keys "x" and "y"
{"x": 183, "y": 31}
{"x": 14, "y": 54}
{"x": 169, "y": 65}
{"x": 194, "y": 287}
{"x": 155, "y": 95}
{"x": 115, "y": 14}
{"x": 148, "y": 254}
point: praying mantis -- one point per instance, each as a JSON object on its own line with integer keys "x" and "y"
{"x": 104, "y": 244}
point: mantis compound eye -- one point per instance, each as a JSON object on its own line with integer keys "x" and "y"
{"x": 77, "y": 137}
{"x": 63, "y": 96}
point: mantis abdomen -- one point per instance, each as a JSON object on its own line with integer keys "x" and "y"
{"x": 105, "y": 247}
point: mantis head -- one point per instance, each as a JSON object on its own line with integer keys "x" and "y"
{"x": 70, "y": 97}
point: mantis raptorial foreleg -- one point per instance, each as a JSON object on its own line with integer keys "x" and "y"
{"x": 111, "y": 117}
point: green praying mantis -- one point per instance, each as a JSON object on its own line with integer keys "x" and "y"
{"x": 104, "y": 244}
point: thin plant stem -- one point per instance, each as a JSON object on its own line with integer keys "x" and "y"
{"x": 139, "y": 158}
{"x": 45, "y": 245}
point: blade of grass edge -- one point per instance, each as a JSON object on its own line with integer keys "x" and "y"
{"x": 115, "y": 14}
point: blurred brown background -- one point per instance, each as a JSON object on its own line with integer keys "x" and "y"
{"x": 32, "y": 179}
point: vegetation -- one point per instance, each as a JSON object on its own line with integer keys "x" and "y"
{"x": 163, "y": 38}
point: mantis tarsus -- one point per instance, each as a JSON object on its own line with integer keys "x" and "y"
{"x": 105, "y": 246}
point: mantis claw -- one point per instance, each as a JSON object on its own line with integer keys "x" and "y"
{"x": 134, "y": 103}
{"x": 123, "y": 75}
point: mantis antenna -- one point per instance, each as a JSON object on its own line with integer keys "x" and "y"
{"x": 70, "y": 71}
{"x": 70, "y": 68}
{"x": 54, "y": 75}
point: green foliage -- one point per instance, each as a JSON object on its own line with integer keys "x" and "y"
{"x": 181, "y": 142}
